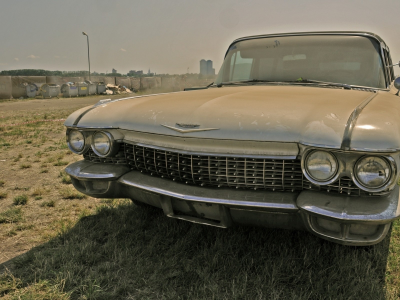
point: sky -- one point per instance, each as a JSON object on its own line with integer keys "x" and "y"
{"x": 168, "y": 36}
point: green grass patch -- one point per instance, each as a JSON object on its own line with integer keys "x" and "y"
{"x": 50, "y": 148}
{"x": 38, "y": 197}
{"x": 20, "y": 200}
{"x": 3, "y": 195}
{"x": 42, "y": 290}
{"x": 11, "y": 215}
{"x": 65, "y": 178}
{"x": 70, "y": 193}
{"x": 25, "y": 166}
{"x": 23, "y": 227}
{"x": 2, "y": 183}
{"x": 50, "y": 203}
{"x": 60, "y": 163}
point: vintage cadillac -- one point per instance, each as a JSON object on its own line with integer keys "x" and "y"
{"x": 299, "y": 131}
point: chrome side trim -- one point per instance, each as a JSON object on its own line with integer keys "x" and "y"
{"x": 376, "y": 150}
{"x": 134, "y": 97}
{"x": 91, "y": 127}
{"x": 351, "y": 122}
{"x": 319, "y": 145}
{"x": 211, "y": 153}
{"x": 81, "y": 115}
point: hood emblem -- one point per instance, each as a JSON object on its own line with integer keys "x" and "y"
{"x": 190, "y": 129}
{"x": 183, "y": 125}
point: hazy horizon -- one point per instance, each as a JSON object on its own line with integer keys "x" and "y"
{"x": 168, "y": 37}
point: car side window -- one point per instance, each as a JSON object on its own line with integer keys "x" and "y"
{"x": 240, "y": 67}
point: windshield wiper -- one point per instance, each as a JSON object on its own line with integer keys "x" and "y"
{"x": 198, "y": 87}
{"x": 343, "y": 85}
{"x": 245, "y": 81}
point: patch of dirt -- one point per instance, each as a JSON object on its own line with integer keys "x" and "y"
{"x": 32, "y": 159}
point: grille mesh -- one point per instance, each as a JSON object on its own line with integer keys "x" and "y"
{"x": 219, "y": 171}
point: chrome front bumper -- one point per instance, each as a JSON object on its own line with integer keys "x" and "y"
{"x": 346, "y": 220}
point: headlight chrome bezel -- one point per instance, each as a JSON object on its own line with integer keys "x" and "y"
{"x": 113, "y": 145}
{"x": 347, "y": 162}
{"x": 85, "y": 138}
{"x": 331, "y": 179}
{"x": 393, "y": 174}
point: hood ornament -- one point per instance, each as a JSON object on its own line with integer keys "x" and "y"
{"x": 191, "y": 128}
{"x": 183, "y": 125}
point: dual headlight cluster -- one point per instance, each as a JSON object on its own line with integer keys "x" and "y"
{"x": 102, "y": 143}
{"x": 369, "y": 172}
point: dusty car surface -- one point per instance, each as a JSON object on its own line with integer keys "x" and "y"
{"x": 299, "y": 131}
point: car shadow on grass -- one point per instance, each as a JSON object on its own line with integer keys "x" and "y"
{"x": 131, "y": 252}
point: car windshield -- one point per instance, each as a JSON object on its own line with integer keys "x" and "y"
{"x": 353, "y": 60}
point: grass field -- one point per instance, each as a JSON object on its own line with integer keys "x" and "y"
{"x": 56, "y": 243}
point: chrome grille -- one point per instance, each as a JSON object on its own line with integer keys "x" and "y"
{"x": 219, "y": 171}
{"x": 119, "y": 158}
{"x": 223, "y": 171}
{"x": 343, "y": 185}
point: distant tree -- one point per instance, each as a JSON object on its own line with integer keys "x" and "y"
{"x": 39, "y": 72}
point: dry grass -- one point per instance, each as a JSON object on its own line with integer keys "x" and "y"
{"x": 39, "y": 191}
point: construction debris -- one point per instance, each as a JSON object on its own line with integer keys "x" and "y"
{"x": 113, "y": 89}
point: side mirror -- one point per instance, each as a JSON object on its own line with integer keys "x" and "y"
{"x": 396, "y": 83}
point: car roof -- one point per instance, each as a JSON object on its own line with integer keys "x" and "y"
{"x": 359, "y": 33}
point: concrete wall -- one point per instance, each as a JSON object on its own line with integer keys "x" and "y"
{"x": 5, "y": 87}
{"x": 15, "y": 86}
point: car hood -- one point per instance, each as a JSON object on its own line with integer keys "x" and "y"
{"x": 310, "y": 115}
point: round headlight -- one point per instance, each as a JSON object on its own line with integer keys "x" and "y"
{"x": 76, "y": 141}
{"x": 101, "y": 143}
{"x": 372, "y": 171}
{"x": 321, "y": 165}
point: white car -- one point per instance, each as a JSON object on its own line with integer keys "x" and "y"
{"x": 299, "y": 131}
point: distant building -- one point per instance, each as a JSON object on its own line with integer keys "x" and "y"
{"x": 206, "y": 67}
{"x": 114, "y": 71}
{"x": 149, "y": 73}
{"x": 210, "y": 69}
{"x": 203, "y": 67}
{"x": 135, "y": 73}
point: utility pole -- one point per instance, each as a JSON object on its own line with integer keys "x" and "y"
{"x": 84, "y": 33}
